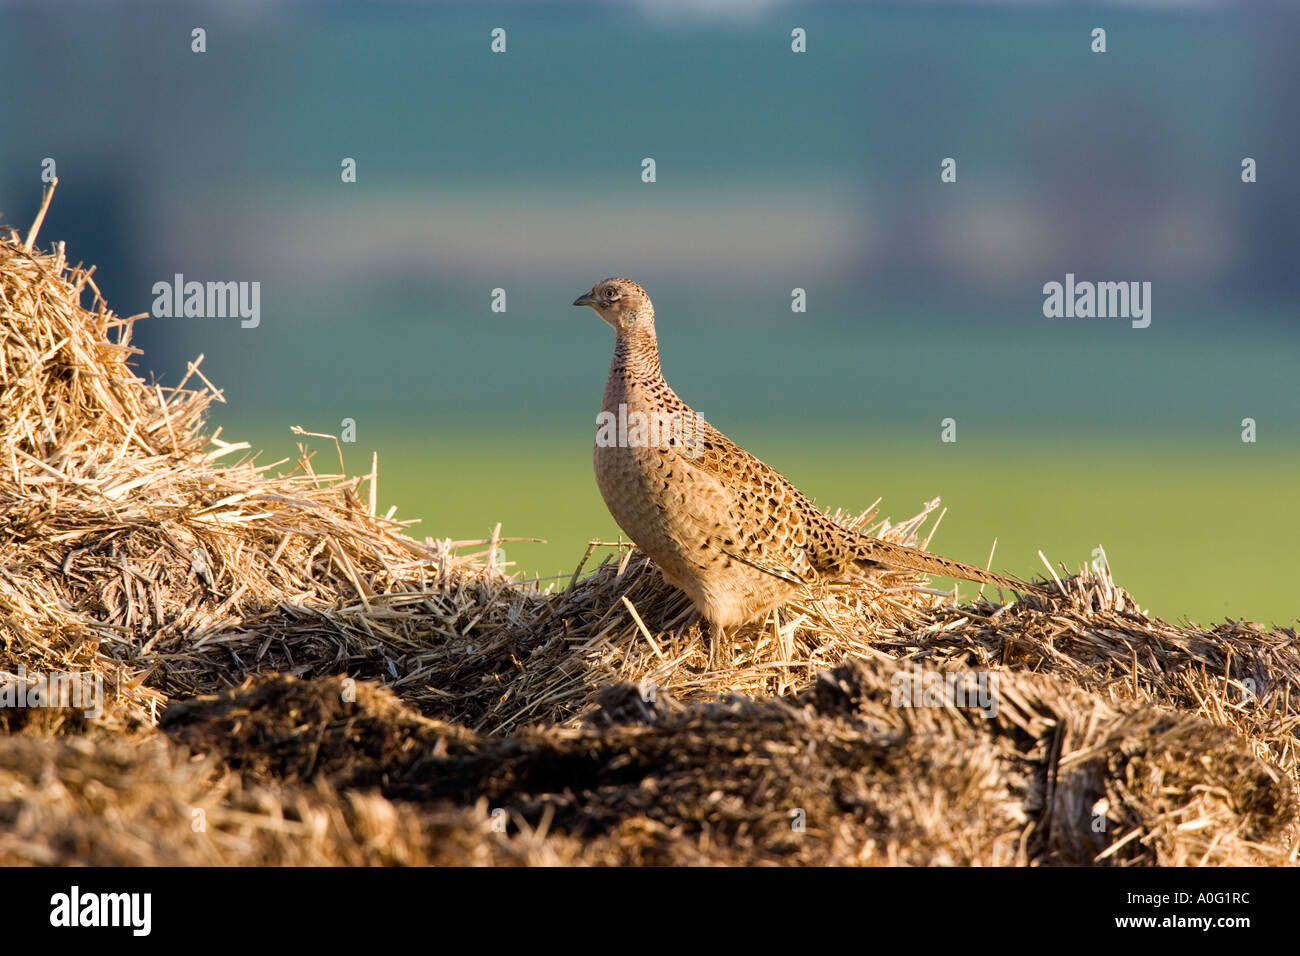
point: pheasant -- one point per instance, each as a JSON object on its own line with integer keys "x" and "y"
{"x": 725, "y": 528}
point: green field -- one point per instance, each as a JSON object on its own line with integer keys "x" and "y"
{"x": 1193, "y": 529}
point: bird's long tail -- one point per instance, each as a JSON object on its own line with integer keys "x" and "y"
{"x": 873, "y": 551}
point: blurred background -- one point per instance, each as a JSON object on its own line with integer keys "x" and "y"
{"x": 774, "y": 170}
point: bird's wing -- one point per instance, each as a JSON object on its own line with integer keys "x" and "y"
{"x": 776, "y": 528}
{"x": 781, "y": 531}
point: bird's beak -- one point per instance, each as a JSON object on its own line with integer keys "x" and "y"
{"x": 585, "y": 299}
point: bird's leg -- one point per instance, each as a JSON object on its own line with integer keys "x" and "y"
{"x": 692, "y": 618}
{"x": 717, "y": 635}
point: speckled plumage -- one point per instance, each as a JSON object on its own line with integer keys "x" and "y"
{"x": 721, "y": 525}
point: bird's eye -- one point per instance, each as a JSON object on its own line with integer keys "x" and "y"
{"x": 611, "y": 294}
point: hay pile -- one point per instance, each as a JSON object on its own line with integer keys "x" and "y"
{"x": 128, "y": 548}
{"x": 221, "y": 600}
{"x": 132, "y": 549}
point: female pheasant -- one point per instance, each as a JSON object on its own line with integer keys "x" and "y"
{"x": 721, "y": 525}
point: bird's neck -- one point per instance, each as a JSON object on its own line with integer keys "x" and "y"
{"x": 636, "y": 354}
{"x": 635, "y": 377}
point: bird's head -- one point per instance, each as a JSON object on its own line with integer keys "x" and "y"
{"x": 620, "y": 302}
